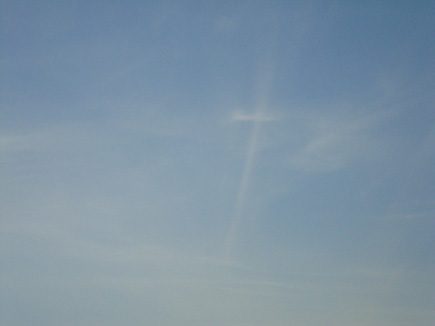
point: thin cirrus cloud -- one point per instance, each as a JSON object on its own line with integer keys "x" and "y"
{"x": 335, "y": 141}
{"x": 222, "y": 165}
{"x": 259, "y": 116}
{"x": 239, "y": 115}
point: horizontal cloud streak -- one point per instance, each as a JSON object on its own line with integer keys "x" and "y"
{"x": 222, "y": 164}
{"x": 258, "y": 116}
{"x": 335, "y": 141}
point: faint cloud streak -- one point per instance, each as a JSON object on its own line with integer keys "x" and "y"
{"x": 252, "y": 117}
{"x": 259, "y": 116}
{"x": 335, "y": 141}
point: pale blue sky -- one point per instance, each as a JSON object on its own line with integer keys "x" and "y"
{"x": 232, "y": 163}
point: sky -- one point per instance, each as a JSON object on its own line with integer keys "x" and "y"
{"x": 222, "y": 163}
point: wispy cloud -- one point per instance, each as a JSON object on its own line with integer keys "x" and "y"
{"x": 253, "y": 117}
{"x": 334, "y": 141}
{"x": 243, "y": 188}
{"x": 45, "y": 138}
{"x": 259, "y": 116}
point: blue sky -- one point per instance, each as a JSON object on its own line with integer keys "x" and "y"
{"x": 239, "y": 163}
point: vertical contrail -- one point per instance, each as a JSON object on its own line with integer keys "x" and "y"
{"x": 258, "y": 116}
{"x": 243, "y": 186}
